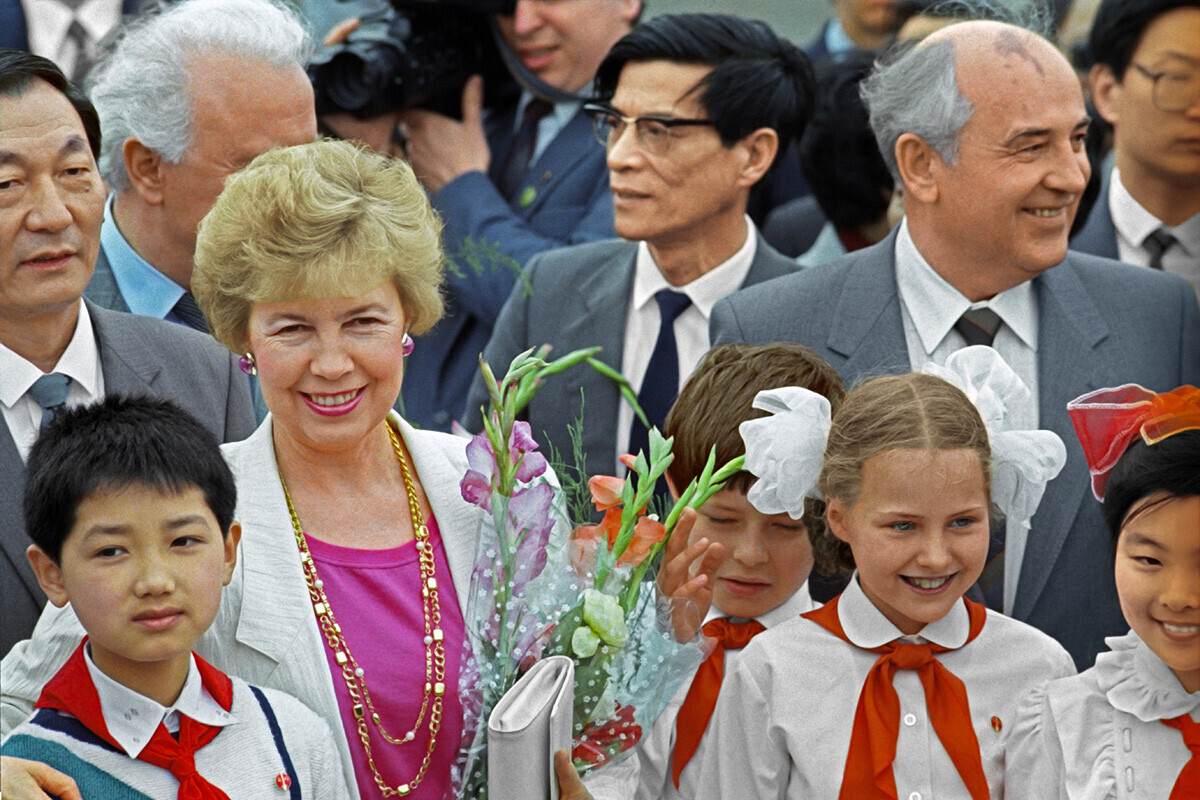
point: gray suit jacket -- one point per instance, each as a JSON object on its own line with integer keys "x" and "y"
{"x": 579, "y": 298}
{"x": 1098, "y": 236}
{"x": 138, "y": 356}
{"x": 102, "y": 289}
{"x": 1100, "y": 323}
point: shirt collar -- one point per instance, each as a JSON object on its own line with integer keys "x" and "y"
{"x": 132, "y": 718}
{"x": 562, "y": 112}
{"x": 1136, "y": 223}
{"x": 836, "y": 40}
{"x": 145, "y": 290}
{"x": 799, "y": 603}
{"x": 867, "y": 627}
{"x": 80, "y": 362}
{"x": 705, "y": 291}
{"x": 935, "y": 305}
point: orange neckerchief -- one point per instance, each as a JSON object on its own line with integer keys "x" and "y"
{"x": 868, "y": 773}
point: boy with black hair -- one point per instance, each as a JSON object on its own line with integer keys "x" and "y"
{"x": 130, "y": 506}
{"x": 762, "y": 578}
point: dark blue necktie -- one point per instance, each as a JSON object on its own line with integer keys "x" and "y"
{"x": 660, "y": 385}
{"x": 520, "y": 155}
{"x": 190, "y": 313}
{"x": 50, "y": 392}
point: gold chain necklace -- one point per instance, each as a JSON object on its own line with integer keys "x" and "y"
{"x": 352, "y": 673}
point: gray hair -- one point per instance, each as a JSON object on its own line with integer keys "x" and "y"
{"x": 141, "y": 88}
{"x": 915, "y": 90}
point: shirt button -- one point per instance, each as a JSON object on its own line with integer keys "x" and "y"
{"x": 915, "y": 796}
{"x": 910, "y": 720}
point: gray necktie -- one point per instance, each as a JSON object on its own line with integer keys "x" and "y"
{"x": 50, "y": 392}
{"x": 1157, "y": 243}
{"x": 978, "y": 326}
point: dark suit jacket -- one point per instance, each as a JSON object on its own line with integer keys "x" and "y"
{"x": 1100, "y": 323}
{"x": 571, "y": 204}
{"x": 138, "y": 356}
{"x": 1098, "y": 236}
{"x": 579, "y": 299}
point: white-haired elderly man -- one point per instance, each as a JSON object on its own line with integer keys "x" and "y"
{"x": 188, "y": 97}
{"x": 983, "y": 124}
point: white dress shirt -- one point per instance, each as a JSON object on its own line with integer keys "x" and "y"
{"x": 691, "y": 327}
{"x": 786, "y": 712}
{"x": 132, "y": 718}
{"x": 1133, "y": 224}
{"x": 47, "y": 22}
{"x": 930, "y": 306}
{"x": 80, "y": 362}
{"x": 656, "y": 751}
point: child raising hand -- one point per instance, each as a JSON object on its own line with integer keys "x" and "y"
{"x": 899, "y": 687}
{"x": 1128, "y": 726}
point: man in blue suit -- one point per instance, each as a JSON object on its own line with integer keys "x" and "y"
{"x": 984, "y": 125}
{"x": 1146, "y": 84}
{"x": 528, "y": 178}
{"x": 699, "y": 108}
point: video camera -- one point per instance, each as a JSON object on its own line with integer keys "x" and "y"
{"x": 412, "y": 53}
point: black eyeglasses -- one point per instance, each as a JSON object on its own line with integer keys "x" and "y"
{"x": 1172, "y": 91}
{"x": 653, "y": 131}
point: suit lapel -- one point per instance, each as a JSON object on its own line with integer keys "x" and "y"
{"x": 560, "y": 157}
{"x": 867, "y": 329}
{"x": 128, "y": 364}
{"x": 1070, "y": 331}
{"x": 13, "y": 538}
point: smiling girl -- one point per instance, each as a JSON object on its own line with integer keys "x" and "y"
{"x": 899, "y": 687}
{"x": 1128, "y": 726}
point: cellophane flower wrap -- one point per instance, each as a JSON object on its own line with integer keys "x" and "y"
{"x": 541, "y": 587}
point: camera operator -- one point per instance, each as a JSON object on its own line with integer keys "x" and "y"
{"x": 524, "y": 178}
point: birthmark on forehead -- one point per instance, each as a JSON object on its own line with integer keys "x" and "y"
{"x": 1010, "y": 43}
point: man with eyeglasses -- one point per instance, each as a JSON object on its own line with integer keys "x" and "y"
{"x": 696, "y": 110}
{"x": 1146, "y": 84}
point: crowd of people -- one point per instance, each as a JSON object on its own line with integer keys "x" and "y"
{"x": 894, "y": 269}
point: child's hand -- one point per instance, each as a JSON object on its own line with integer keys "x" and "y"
{"x": 25, "y": 780}
{"x": 687, "y": 576}
{"x": 570, "y": 785}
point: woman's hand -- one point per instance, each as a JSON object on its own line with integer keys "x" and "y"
{"x": 570, "y": 785}
{"x": 687, "y": 576}
{"x": 26, "y": 780}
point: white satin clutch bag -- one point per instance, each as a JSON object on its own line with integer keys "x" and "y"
{"x": 526, "y": 727}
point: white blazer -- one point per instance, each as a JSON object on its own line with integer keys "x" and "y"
{"x": 265, "y": 632}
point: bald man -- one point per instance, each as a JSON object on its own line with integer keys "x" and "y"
{"x": 984, "y": 125}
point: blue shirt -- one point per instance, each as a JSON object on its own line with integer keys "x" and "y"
{"x": 145, "y": 290}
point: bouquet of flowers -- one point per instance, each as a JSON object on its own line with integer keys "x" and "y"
{"x": 541, "y": 589}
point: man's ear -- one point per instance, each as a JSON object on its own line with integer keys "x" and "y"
{"x": 835, "y": 516}
{"x": 49, "y": 575}
{"x": 1105, "y": 92}
{"x": 918, "y": 164}
{"x": 760, "y": 148}
{"x": 144, "y": 168}
{"x": 231, "y": 545}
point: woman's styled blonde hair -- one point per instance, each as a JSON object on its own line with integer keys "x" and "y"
{"x": 327, "y": 219}
{"x": 898, "y": 412}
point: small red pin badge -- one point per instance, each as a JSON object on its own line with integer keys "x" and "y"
{"x": 283, "y": 781}
{"x": 997, "y": 724}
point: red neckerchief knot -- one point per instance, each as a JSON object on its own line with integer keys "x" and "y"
{"x": 71, "y": 690}
{"x": 1187, "y": 785}
{"x": 868, "y": 772}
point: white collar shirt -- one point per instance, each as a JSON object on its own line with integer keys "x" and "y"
{"x": 132, "y": 718}
{"x": 786, "y": 711}
{"x": 657, "y": 748}
{"x": 1133, "y": 224}
{"x": 80, "y": 362}
{"x": 930, "y": 306}
{"x": 47, "y": 22}
{"x": 691, "y": 327}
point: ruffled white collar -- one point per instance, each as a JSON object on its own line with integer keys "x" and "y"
{"x": 1137, "y": 682}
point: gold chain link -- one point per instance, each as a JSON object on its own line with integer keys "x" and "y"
{"x": 352, "y": 674}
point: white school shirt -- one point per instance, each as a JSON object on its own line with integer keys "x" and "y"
{"x": 80, "y": 362}
{"x": 691, "y": 327}
{"x": 1108, "y": 720}
{"x": 786, "y": 712}
{"x": 930, "y": 306}
{"x": 656, "y": 751}
{"x": 132, "y": 718}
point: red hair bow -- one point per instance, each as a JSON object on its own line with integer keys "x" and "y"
{"x": 1106, "y": 421}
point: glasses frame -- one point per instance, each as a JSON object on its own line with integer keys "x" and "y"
{"x": 1155, "y": 81}
{"x": 598, "y": 112}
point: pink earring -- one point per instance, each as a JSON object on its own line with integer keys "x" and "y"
{"x": 246, "y": 364}
{"x": 408, "y": 345}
